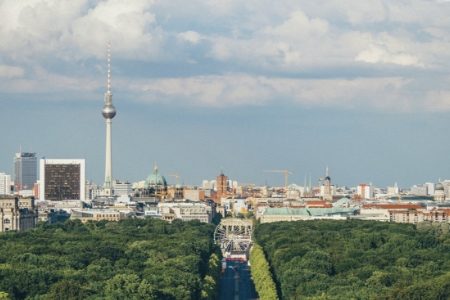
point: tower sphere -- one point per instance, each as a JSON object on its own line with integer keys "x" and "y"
{"x": 108, "y": 111}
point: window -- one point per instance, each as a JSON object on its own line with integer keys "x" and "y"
{"x": 6, "y": 221}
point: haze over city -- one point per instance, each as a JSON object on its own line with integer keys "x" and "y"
{"x": 361, "y": 87}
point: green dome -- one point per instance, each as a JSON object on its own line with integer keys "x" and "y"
{"x": 155, "y": 179}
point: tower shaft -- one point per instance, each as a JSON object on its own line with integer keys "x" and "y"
{"x": 108, "y": 158}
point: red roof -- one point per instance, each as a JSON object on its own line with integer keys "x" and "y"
{"x": 392, "y": 205}
{"x": 318, "y": 203}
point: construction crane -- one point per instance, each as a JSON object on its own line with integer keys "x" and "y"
{"x": 286, "y": 176}
{"x": 176, "y": 177}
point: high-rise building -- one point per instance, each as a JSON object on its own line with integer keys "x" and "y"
{"x": 365, "y": 191}
{"x": 25, "y": 171}
{"x": 430, "y": 188}
{"x": 62, "y": 179}
{"x": 5, "y": 184}
{"x": 108, "y": 112}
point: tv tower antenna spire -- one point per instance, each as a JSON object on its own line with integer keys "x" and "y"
{"x": 108, "y": 112}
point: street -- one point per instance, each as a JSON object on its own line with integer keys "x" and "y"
{"x": 236, "y": 283}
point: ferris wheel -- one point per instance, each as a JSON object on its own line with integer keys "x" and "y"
{"x": 233, "y": 236}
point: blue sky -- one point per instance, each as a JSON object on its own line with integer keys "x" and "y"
{"x": 360, "y": 86}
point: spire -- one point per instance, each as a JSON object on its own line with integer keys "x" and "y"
{"x": 108, "y": 83}
{"x": 326, "y": 171}
{"x": 109, "y": 111}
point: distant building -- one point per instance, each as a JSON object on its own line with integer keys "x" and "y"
{"x": 393, "y": 190}
{"x": 278, "y": 214}
{"x": 92, "y": 190}
{"x": 439, "y": 192}
{"x": 25, "y": 171}
{"x": 420, "y": 215}
{"x": 221, "y": 186}
{"x": 62, "y": 179}
{"x": 86, "y": 215}
{"x": 186, "y": 211}
{"x": 365, "y": 191}
{"x": 382, "y": 211}
{"x": 194, "y": 194}
{"x": 5, "y": 184}
{"x": 327, "y": 189}
{"x": 122, "y": 188}
{"x": 419, "y": 190}
{"x": 430, "y": 188}
{"x": 175, "y": 192}
{"x": 17, "y": 214}
{"x": 240, "y": 206}
{"x": 155, "y": 186}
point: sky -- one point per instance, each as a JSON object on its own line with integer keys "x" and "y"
{"x": 202, "y": 86}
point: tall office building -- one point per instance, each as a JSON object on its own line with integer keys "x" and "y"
{"x": 5, "y": 184}
{"x": 25, "y": 171}
{"x": 108, "y": 112}
{"x": 62, "y": 179}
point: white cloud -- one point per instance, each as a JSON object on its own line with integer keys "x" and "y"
{"x": 266, "y": 45}
{"x": 190, "y": 36}
{"x": 378, "y": 54}
{"x": 384, "y": 94}
{"x": 11, "y": 71}
{"x": 129, "y": 26}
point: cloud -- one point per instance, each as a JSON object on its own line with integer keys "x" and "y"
{"x": 129, "y": 26}
{"x": 378, "y": 54}
{"x": 209, "y": 52}
{"x": 11, "y": 71}
{"x": 382, "y": 94}
{"x": 190, "y": 36}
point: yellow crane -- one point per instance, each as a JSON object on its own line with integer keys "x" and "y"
{"x": 286, "y": 176}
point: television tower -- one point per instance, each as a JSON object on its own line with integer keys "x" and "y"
{"x": 108, "y": 112}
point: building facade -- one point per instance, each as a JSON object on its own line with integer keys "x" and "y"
{"x": 62, "y": 179}
{"x": 97, "y": 215}
{"x": 365, "y": 191}
{"x": 186, "y": 211}
{"x": 5, "y": 184}
{"x": 122, "y": 188}
{"x": 17, "y": 214}
{"x": 25, "y": 171}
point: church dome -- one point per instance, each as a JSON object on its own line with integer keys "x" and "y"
{"x": 439, "y": 187}
{"x": 155, "y": 179}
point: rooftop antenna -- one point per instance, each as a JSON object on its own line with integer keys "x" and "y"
{"x": 108, "y": 82}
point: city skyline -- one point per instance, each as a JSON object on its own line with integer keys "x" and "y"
{"x": 251, "y": 93}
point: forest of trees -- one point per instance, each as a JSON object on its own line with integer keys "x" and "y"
{"x": 328, "y": 259}
{"x": 131, "y": 259}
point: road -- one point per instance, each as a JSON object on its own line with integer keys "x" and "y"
{"x": 236, "y": 282}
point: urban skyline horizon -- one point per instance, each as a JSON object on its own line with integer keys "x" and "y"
{"x": 274, "y": 180}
